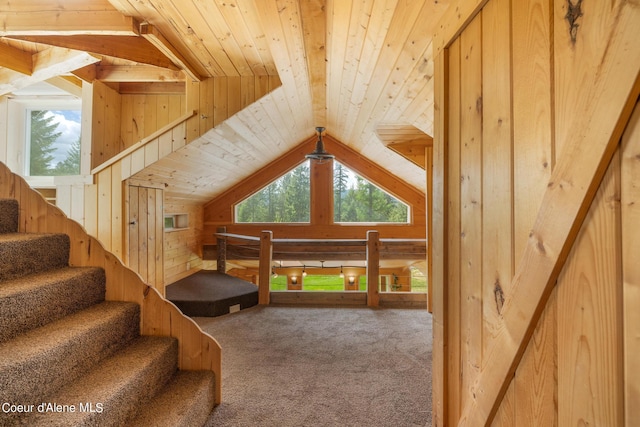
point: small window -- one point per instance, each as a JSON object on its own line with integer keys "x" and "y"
{"x": 52, "y": 142}
{"x": 174, "y": 222}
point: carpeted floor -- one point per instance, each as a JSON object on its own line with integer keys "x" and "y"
{"x": 299, "y": 366}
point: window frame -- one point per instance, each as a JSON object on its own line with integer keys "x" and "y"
{"x": 19, "y": 109}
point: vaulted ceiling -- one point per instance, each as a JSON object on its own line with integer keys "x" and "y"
{"x": 353, "y": 67}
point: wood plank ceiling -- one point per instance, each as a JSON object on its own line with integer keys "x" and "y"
{"x": 350, "y": 66}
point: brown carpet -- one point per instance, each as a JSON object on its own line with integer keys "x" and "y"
{"x": 300, "y": 366}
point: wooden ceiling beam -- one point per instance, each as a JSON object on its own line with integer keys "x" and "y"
{"x": 70, "y": 84}
{"x": 136, "y": 73}
{"x": 46, "y": 64}
{"x": 156, "y": 88}
{"x": 314, "y": 27}
{"x": 154, "y": 37}
{"x": 131, "y": 48}
{"x": 67, "y": 23}
{"x": 16, "y": 59}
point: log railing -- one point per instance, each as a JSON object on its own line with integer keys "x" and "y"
{"x": 265, "y": 249}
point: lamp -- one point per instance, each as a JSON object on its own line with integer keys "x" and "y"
{"x": 341, "y": 273}
{"x": 294, "y": 280}
{"x": 304, "y": 271}
{"x": 352, "y": 280}
{"x": 319, "y": 154}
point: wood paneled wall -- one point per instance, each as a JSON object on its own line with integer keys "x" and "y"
{"x": 183, "y": 248}
{"x": 514, "y": 91}
{"x": 119, "y": 121}
{"x": 136, "y": 119}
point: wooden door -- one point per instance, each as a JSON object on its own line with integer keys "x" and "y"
{"x": 145, "y": 234}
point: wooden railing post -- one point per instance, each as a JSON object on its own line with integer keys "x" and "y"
{"x": 373, "y": 268}
{"x": 264, "y": 269}
{"x": 222, "y": 251}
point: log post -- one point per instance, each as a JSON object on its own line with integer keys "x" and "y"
{"x": 222, "y": 251}
{"x": 373, "y": 268}
{"x": 264, "y": 269}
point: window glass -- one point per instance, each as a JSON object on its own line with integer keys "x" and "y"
{"x": 53, "y": 142}
{"x": 358, "y": 200}
{"x": 287, "y": 199}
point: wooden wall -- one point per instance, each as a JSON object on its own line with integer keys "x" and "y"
{"x": 130, "y": 133}
{"x": 533, "y": 283}
{"x": 183, "y": 248}
{"x": 121, "y": 120}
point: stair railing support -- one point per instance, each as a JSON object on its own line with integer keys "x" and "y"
{"x": 221, "y": 263}
{"x": 264, "y": 268}
{"x": 373, "y": 268}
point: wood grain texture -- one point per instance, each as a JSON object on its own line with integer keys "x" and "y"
{"x": 630, "y": 218}
{"x": 452, "y": 310}
{"x": 589, "y": 330}
{"x": 471, "y": 205}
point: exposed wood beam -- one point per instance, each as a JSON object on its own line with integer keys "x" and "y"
{"x": 46, "y": 64}
{"x": 156, "y": 88}
{"x": 131, "y": 48}
{"x": 15, "y": 59}
{"x": 136, "y": 73}
{"x": 154, "y": 37}
{"x": 86, "y": 73}
{"x": 587, "y": 151}
{"x": 67, "y": 23}
{"x": 314, "y": 27}
{"x": 70, "y": 84}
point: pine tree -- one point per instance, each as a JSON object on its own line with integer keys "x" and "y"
{"x": 43, "y": 135}
{"x": 71, "y": 164}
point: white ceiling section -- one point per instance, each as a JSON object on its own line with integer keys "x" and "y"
{"x": 349, "y": 66}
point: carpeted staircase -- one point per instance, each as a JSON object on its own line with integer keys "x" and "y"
{"x": 70, "y": 358}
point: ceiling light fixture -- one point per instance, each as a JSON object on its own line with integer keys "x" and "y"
{"x": 319, "y": 154}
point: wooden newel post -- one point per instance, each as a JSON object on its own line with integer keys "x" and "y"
{"x": 264, "y": 269}
{"x": 373, "y": 268}
{"x": 222, "y": 251}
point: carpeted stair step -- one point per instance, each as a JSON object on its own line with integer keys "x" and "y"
{"x": 186, "y": 401}
{"x": 23, "y": 253}
{"x": 32, "y": 301}
{"x": 40, "y": 361}
{"x": 117, "y": 389}
{"x": 9, "y": 214}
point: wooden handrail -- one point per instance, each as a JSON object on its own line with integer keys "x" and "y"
{"x": 372, "y": 250}
{"x": 144, "y": 141}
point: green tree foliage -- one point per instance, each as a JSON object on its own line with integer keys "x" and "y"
{"x": 284, "y": 200}
{"x": 71, "y": 164}
{"x": 43, "y": 136}
{"x": 363, "y": 201}
{"x": 340, "y": 187}
{"x": 288, "y": 200}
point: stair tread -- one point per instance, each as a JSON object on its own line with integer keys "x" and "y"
{"x": 187, "y": 400}
{"x": 27, "y": 253}
{"x": 109, "y": 387}
{"x": 31, "y": 301}
{"x": 63, "y": 349}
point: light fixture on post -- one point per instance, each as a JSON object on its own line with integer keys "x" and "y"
{"x": 319, "y": 154}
